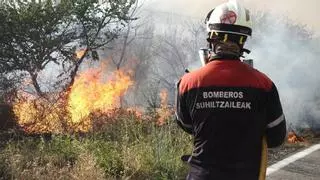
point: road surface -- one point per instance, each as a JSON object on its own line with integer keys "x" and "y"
{"x": 304, "y": 165}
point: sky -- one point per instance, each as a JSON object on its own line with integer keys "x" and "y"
{"x": 304, "y": 12}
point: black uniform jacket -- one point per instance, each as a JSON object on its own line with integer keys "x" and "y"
{"x": 229, "y": 107}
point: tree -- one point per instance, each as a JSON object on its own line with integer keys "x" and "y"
{"x": 142, "y": 49}
{"x": 8, "y": 87}
{"x": 38, "y": 34}
{"x": 175, "y": 50}
{"x": 132, "y": 52}
{"x": 197, "y": 39}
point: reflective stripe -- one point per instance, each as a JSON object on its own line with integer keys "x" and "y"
{"x": 276, "y": 122}
{"x": 185, "y": 125}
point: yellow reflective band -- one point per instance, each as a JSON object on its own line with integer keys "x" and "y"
{"x": 241, "y": 40}
{"x": 225, "y": 38}
{"x": 211, "y": 35}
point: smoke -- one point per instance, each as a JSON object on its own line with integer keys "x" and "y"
{"x": 284, "y": 46}
{"x": 288, "y": 53}
{"x": 303, "y": 12}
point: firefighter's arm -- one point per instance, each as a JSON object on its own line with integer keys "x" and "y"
{"x": 182, "y": 114}
{"x": 276, "y": 122}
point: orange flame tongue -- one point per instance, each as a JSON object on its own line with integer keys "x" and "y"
{"x": 89, "y": 93}
{"x": 39, "y": 115}
{"x": 293, "y": 138}
{"x": 80, "y": 53}
{"x": 164, "y": 111}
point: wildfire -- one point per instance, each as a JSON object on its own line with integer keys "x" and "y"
{"x": 80, "y": 53}
{"x": 38, "y": 115}
{"x": 293, "y": 138}
{"x": 136, "y": 112}
{"x": 91, "y": 93}
{"x": 164, "y": 111}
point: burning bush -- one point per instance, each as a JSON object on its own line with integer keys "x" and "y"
{"x": 40, "y": 115}
{"x": 93, "y": 101}
{"x": 164, "y": 111}
{"x": 89, "y": 93}
{"x": 70, "y": 112}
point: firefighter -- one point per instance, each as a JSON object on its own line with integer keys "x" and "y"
{"x": 232, "y": 110}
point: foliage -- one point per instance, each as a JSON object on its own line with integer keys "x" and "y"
{"x": 129, "y": 148}
{"x": 37, "y": 34}
{"x": 8, "y": 87}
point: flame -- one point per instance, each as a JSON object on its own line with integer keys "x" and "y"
{"x": 91, "y": 93}
{"x": 80, "y": 53}
{"x": 137, "y": 112}
{"x": 39, "y": 115}
{"x": 164, "y": 111}
{"x": 293, "y": 138}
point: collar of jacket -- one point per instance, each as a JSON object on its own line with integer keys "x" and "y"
{"x": 224, "y": 57}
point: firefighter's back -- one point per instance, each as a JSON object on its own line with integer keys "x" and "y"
{"x": 226, "y": 101}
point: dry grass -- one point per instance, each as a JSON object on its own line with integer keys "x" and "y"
{"x": 21, "y": 163}
{"x": 86, "y": 168}
{"x": 127, "y": 148}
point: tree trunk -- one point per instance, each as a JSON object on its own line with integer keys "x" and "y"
{"x": 74, "y": 72}
{"x": 35, "y": 84}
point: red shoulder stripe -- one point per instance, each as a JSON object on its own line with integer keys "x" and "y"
{"x": 225, "y": 74}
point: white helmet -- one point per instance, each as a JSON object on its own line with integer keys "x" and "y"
{"x": 231, "y": 18}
